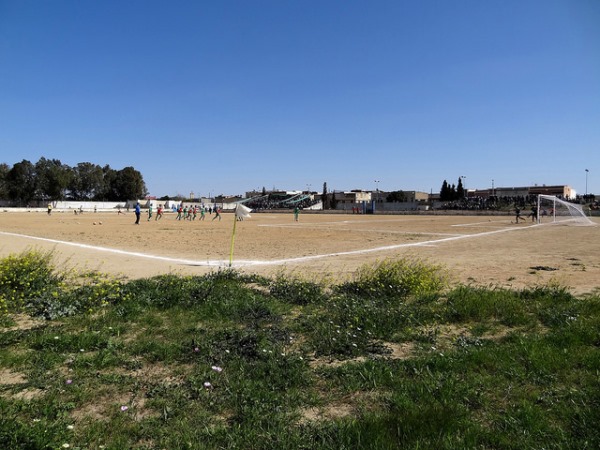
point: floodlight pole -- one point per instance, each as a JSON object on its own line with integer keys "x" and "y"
{"x": 464, "y": 186}
{"x": 586, "y": 180}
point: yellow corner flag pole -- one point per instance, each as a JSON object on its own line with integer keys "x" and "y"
{"x": 240, "y": 213}
{"x": 232, "y": 239}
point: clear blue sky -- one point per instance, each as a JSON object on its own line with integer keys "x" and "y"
{"x": 227, "y": 96}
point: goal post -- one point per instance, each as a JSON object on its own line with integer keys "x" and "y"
{"x": 551, "y": 209}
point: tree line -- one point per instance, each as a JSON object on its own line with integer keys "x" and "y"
{"x": 50, "y": 179}
{"x": 449, "y": 193}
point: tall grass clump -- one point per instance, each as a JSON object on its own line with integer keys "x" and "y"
{"x": 87, "y": 295}
{"x": 23, "y": 276}
{"x": 479, "y": 304}
{"x": 397, "y": 278}
{"x": 295, "y": 290}
{"x": 31, "y": 283}
{"x": 378, "y": 303}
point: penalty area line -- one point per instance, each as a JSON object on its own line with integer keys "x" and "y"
{"x": 430, "y": 243}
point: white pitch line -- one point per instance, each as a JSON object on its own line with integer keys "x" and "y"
{"x": 420, "y": 233}
{"x": 117, "y": 251}
{"x": 364, "y": 230}
{"x": 474, "y": 224}
{"x": 243, "y": 263}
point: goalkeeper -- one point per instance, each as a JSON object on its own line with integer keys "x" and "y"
{"x": 533, "y": 214}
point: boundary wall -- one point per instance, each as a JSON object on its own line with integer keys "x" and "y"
{"x": 69, "y": 205}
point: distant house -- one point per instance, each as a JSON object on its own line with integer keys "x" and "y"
{"x": 416, "y": 196}
{"x": 352, "y": 197}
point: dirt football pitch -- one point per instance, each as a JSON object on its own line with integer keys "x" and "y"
{"x": 480, "y": 250}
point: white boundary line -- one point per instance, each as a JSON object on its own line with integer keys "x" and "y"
{"x": 114, "y": 250}
{"x": 244, "y": 263}
{"x": 360, "y": 230}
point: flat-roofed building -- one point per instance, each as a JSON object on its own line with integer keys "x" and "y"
{"x": 352, "y": 197}
{"x": 562, "y": 191}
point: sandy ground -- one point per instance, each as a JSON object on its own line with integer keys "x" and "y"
{"x": 476, "y": 249}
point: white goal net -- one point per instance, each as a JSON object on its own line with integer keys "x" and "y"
{"x": 551, "y": 209}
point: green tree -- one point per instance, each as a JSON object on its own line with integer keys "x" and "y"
{"x": 129, "y": 184}
{"x": 87, "y": 182}
{"x": 460, "y": 191}
{"x": 445, "y": 192}
{"x": 324, "y": 198}
{"x": 21, "y": 182}
{"x": 108, "y": 191}
{"x": 52, "y": 179}
{"x": 4, "y": 169}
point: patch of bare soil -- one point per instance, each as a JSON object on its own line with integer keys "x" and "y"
{"x": 28, "y": 394}
{"x": 328, "y": 412}
{"x": 103, "y": 407}
{"x": 24, "y": 322}
{"x": 8, "y": 377}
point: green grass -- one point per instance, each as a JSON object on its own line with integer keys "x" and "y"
{"x": 395, "y": 358}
